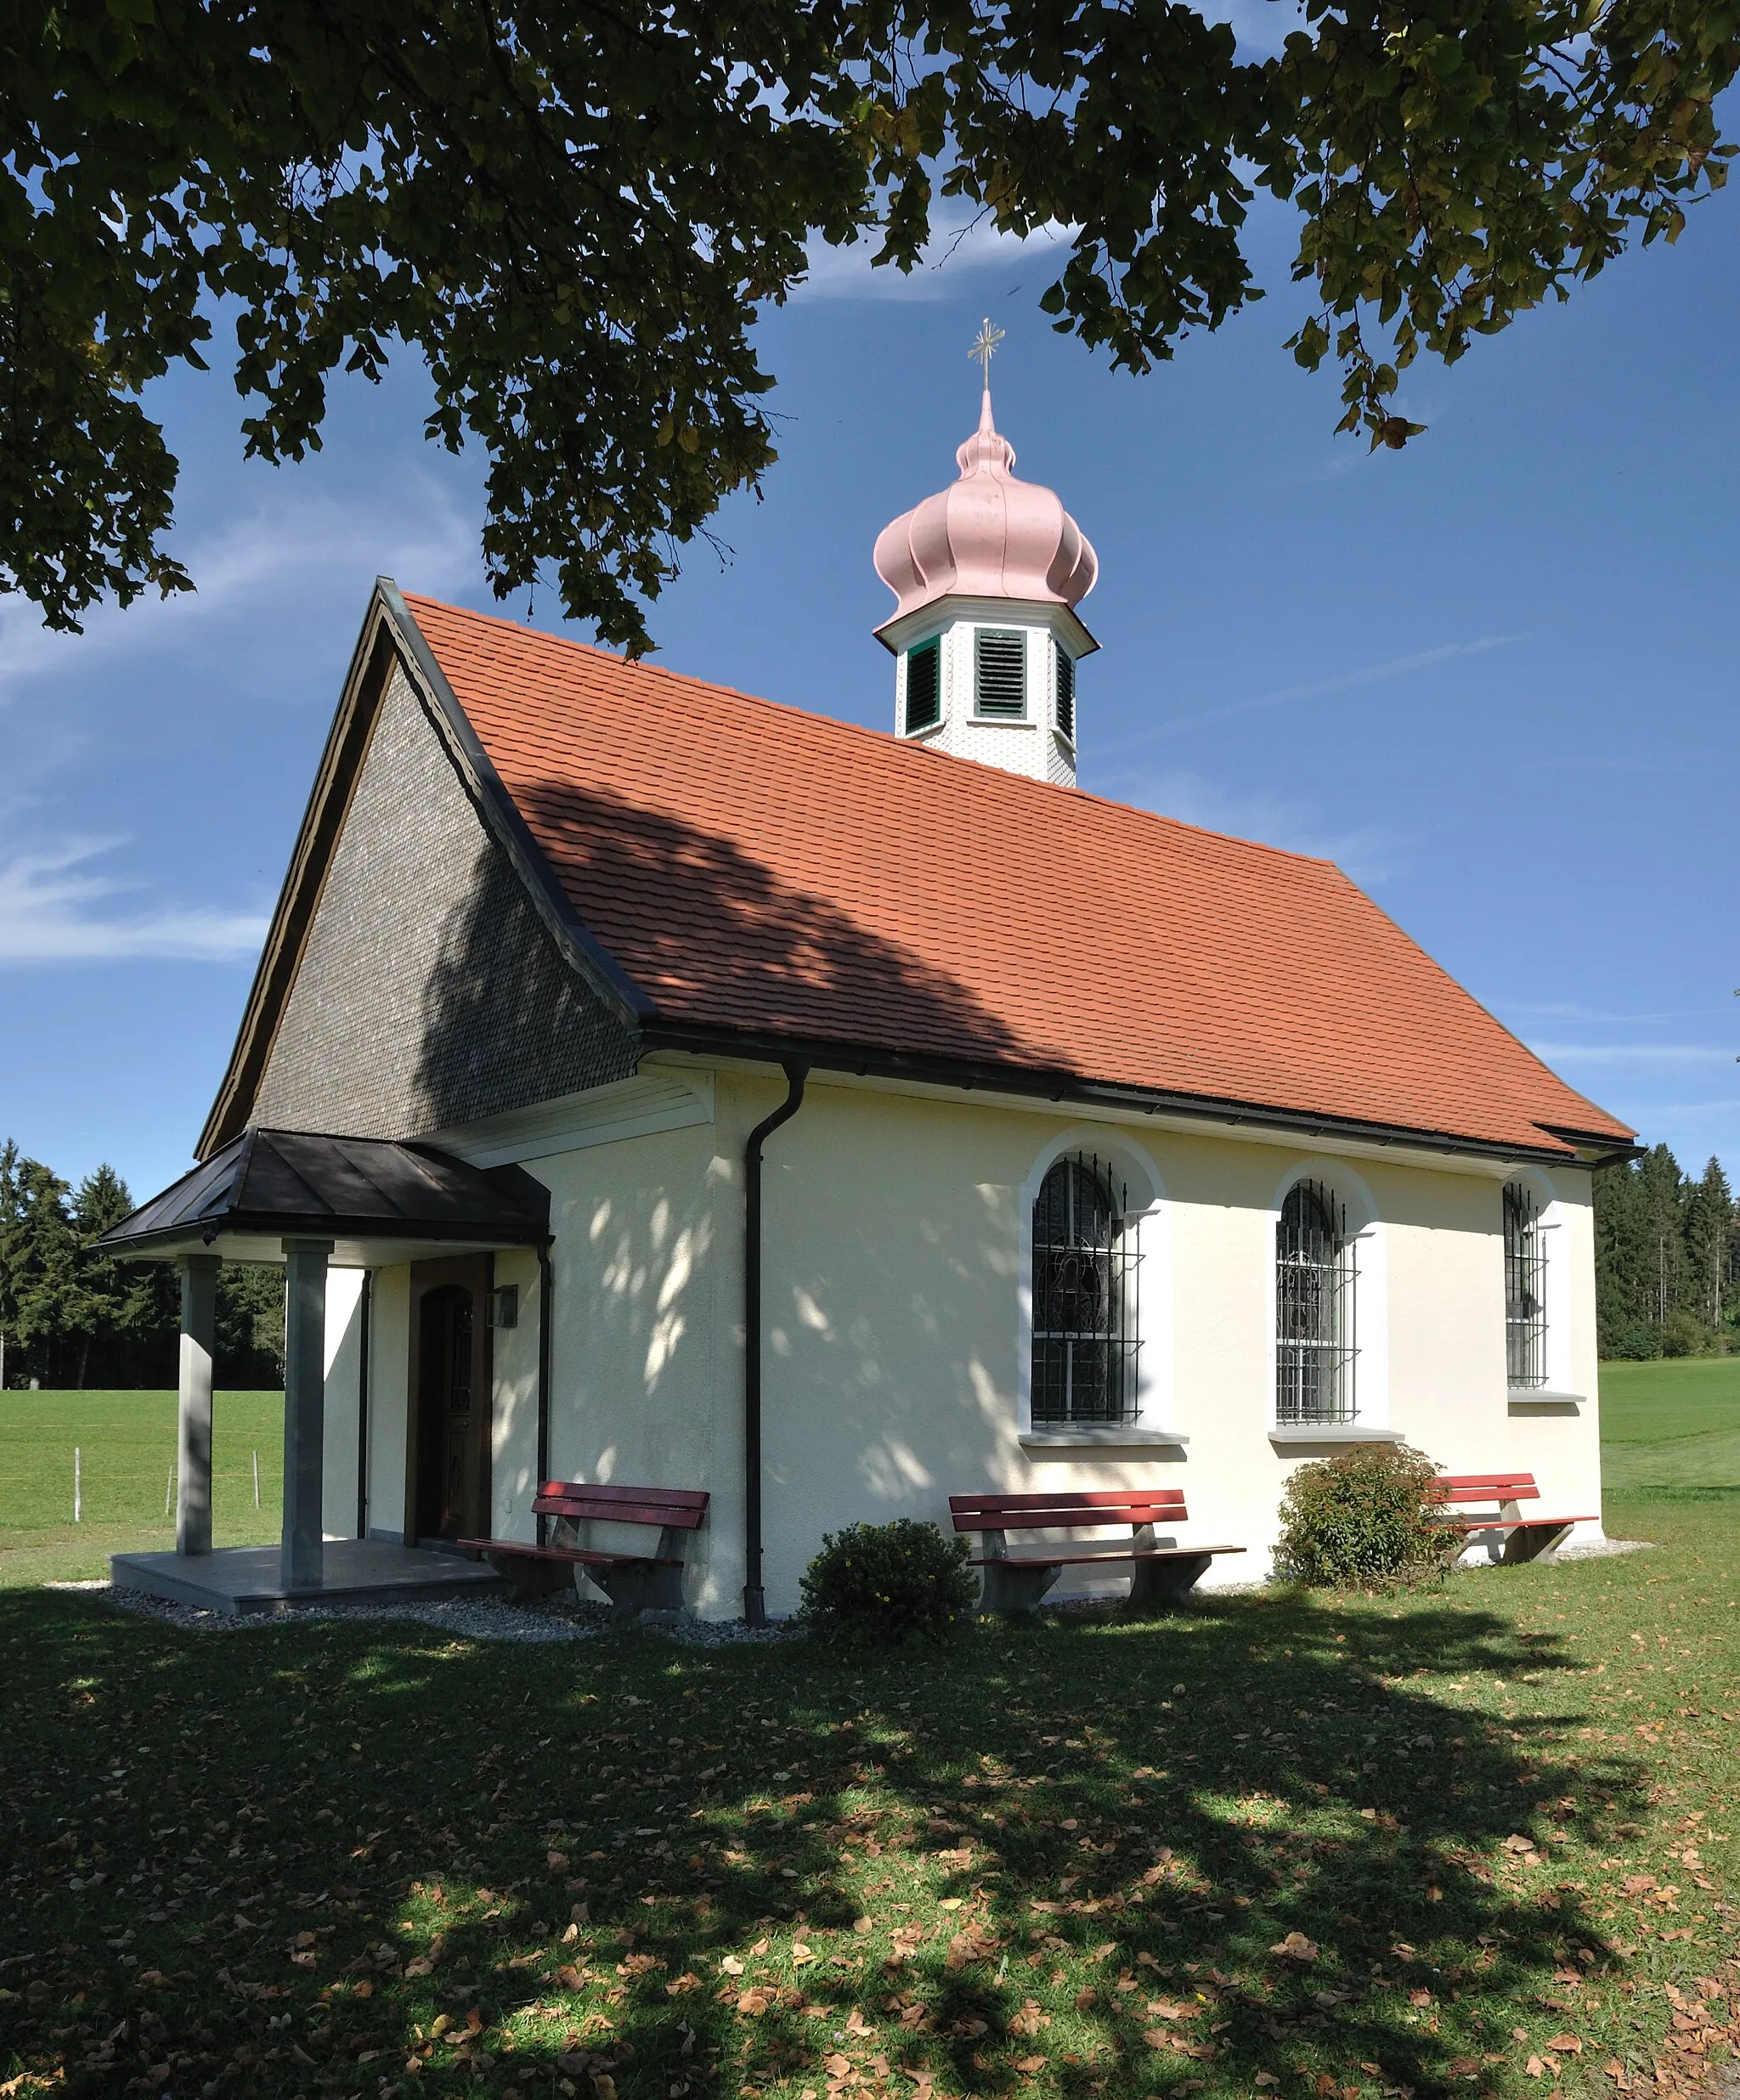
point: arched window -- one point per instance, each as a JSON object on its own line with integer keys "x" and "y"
{"x": 1315, "y": 1280}
{"x": 1525, "y": 1289}
{"x": 1085, "y": 1338}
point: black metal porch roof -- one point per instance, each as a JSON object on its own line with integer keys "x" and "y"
{"x": 284, "y": 1184}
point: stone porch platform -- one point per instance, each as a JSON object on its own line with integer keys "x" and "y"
{"x": 247, "y": 1579}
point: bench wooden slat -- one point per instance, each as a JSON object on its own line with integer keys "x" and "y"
{"x": 1082, "y": 1498}
{"x": 1060, "y": 1510}
{"x": 1511, "y": 1523}
{"x": 521, "y": 1551}
{"x": 1484, "y": 1487}
{"x": 578, "y": 1509}
{"x": 696, "y": 1499}
{"x": 1089, "y": 1560}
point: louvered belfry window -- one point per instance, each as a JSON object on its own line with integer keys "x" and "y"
{"x": 1525, "y": 1289}
{"x": 1315, "y": 1281}
{"x": 924, "y": 686}
{"x": 1000, "y": 672}
{"x": 1085, "y": 1332}
{"x": 1065, "y": 691}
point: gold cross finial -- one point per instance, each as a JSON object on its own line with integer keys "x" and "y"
{"x": 985, "y": 346}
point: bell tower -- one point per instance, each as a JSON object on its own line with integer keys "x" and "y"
{"x": 985, "y": 636}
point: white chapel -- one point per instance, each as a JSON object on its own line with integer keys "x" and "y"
{"x": 660, "y": 1094}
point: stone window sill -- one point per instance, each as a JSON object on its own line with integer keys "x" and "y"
{"x": 1537, "y": 1400}
{"x": 1099, "y": 1436}
{"x": 1332, "y": 1433}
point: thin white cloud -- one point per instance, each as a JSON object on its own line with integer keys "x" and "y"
{"x": 1367, "y": 853}
{"x": 962, "y": 242}
{"x": 1560, "y": 1010}
{"x": 261, "y": 574}
{"x": 1633, "y": 1052}
{"x": 1318, "y": 689}
{"x": 49, "y": 912}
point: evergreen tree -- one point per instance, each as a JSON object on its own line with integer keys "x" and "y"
{"x": 43, "y": 1264}
{"x": 1664, "y": 1249}
{"x": 1709, "y": 1232}
{"x": 10, "y": 1201}
{"x": 250, "y": 1351}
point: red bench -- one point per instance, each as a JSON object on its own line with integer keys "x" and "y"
{"x": 1159, "y": 1573}
{"x": 1527, "y": 1537}
{"x": 635, "y": 1583}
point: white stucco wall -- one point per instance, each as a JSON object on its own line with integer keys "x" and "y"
{"x": 895, "y": 1259}
{"x": 645, "y": 1363}
{"x": 896, "y": 1243}
{"x": 341, "y": 1446}
{"x": 389, "y": 1388}
{"x": 513, "y": 1454}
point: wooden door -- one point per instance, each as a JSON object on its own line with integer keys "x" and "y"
{"x": 450, "y": 1464}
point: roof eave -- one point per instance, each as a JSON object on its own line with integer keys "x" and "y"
{"x": 1035, "y": 1082}
{"x": 502, "y": 817}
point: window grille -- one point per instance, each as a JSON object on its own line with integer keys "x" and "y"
{"x": 1316, "y": 1277}
{"x": 924, "y": 686}
{"x": 1000, "y": 667}
{"x": 1525, "y": 1289}
{"x": 1085, "y": 1330}
{"x": 1066, "y": 690}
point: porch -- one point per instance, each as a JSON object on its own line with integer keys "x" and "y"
{"x": 310, "y": 1203}
{"x": 239, "y": 1581}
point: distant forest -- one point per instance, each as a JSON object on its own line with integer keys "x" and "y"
{"x": 1667, "y": 1254}
{"x": 1667, "y": 1259}
{"x": 72, "y": 1318}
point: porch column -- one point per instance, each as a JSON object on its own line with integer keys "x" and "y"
{"x": 305, "y": 1409}
{"x": 199, "y": 1319}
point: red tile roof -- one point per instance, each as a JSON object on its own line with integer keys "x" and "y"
{"x": 755, "y": 868}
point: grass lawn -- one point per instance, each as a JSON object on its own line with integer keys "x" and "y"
{"x": 1476, "y": 1842}
{"x": 126, "y": 1442}
{"x": 1671, "y": 1428}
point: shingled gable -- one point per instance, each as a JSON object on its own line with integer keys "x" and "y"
{"x": 732, "y": 875}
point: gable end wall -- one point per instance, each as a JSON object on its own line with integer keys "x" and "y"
{"x": 430, "y": 991}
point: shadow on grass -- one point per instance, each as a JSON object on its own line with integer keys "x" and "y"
{"x": 277, "y": 1861}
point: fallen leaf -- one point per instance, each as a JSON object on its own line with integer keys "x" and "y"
{"x": 1565, "y": 2045}
{"x": 1029, "y": 2065}
{"x": 732, "y": 1966}
{"x": 1534, "y": 2067}
{"x": 1266, "y": 2077}
{"x": 1295, "y": 1947}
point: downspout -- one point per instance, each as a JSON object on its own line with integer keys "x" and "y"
{"x": 797, "y": 1070}
{"x": 547, "y": 1291}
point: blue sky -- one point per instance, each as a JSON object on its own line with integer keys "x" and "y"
{"x": 1492, "y": 675}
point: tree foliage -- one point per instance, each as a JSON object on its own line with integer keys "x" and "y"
{"x": 1666, "y": 1249}
{"x": 574, "y": 215}
{"x": 72, "y": 1317}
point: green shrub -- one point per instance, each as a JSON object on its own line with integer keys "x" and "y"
{"x": 1361, "y": 1519}
{"x": 1634, "y": 1341}
{"x": 903, "y": 1580}
{"x": 1683, "y": 1335}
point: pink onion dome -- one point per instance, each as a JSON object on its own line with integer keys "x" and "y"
{"x": 988, "y": 536}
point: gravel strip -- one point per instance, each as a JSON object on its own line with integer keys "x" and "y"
{"x": 563, "y": 1618}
